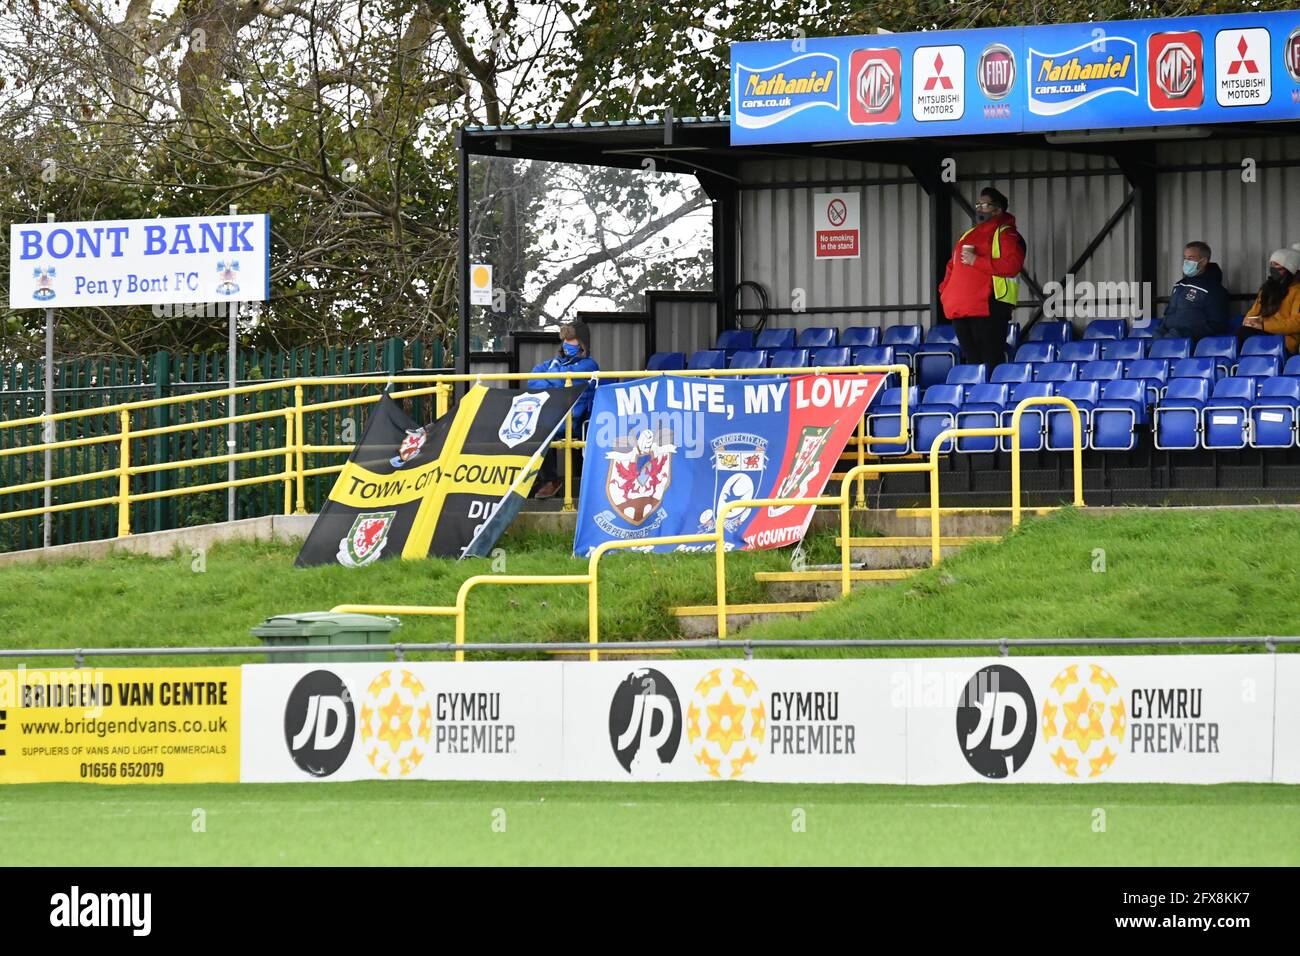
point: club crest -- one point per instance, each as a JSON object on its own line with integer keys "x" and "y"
{"x": 639, "y": 476}
{"x": 365, "y": 542}
{"x": 44, "y": 276}
{"x": 520, "y": 422}
{"x": 804, "y": 467}
{"x": 410, "y": 447}
{"x": 227, "y": 273}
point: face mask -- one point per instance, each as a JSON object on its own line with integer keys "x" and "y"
{"x": 570, "y": 349}
{"x": 1189, "y": 267}
{"x": 1277, "y": 274}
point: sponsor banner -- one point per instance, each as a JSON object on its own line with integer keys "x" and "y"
{"x": 1119, "y": 74}
{"x": 775, "y": 721}
{"x": 1286, "y": 722}
{"x": 1167, "y": 719}
{"x": 837, "y": 225}
{"x": 413, "y": 491}
{"x": 139, "y": 262}
{"x": 402, "y": 721}
{"x": 120, "y": 725}
{"x": 664, "y": 454}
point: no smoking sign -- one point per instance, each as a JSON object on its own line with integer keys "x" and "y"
{"x": 837, "y": 225}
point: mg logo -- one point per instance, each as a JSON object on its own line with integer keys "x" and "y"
{"x": 875, "y": 87}
{"x": 1176, "y": 71}
{"x": 874, "y": 78}
{"x": 1175, "y": 67}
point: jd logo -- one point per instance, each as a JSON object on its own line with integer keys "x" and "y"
{"x": 645, "y": 722}
{"x": 319, "y": 723}
{"x": 996, "y": 721}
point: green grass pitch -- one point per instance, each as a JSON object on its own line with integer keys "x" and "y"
{"x": 420, "y": 823}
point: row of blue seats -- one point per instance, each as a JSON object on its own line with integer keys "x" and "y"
{"x": 1187, "y": 413}
{"x": 909, "y": 336}
{"x": 1222, "y": 348}
{"x": 828, "y": 357}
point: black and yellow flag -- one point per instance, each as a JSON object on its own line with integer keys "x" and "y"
{"x": 413, "y": 492}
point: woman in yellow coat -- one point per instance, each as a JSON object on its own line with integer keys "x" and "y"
{"x": 1276, "y": 310}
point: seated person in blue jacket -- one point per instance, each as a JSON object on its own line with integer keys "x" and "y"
{"x": 1198, "y": 305}
{"x": 573, "y": 355}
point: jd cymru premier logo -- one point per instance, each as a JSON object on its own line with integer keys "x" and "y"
{"x": 645, "y": 722}
{"x": 1084, "y": 721}
{"x": 396, "y": 723}
{"x": 319, "y": 723}
{"x": 726, "y": 723}
{"x": 996, "y": 722}
{"x": 1060, "y": 82}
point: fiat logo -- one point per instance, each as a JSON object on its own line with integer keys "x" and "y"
{"x": 997, "y": 71}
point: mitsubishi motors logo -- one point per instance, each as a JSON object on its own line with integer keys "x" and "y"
{"x": 938, "y": 83}
{"x": 1175, "y": 64}
{"x": 874, "y": 77}
{"x": 1242, "y": 67}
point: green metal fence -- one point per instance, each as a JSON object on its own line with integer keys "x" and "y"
{"x": 82, "y": 384}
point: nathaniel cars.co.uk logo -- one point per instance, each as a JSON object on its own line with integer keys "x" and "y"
{"x": 1064, "y": 80}
{"x": 768, "y": 95}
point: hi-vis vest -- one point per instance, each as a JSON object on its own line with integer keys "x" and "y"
{"x": 1004, "y": 290}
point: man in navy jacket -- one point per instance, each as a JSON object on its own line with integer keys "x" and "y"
{"x": 1198, "y": 305}
{"x": 573, "y": 355}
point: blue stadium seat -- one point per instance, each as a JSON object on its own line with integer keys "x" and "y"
{"x": 884, "y": 420}
{"x": 816, "y": 337}
{"x": 1221, "y": 348}
{"x": 1193, "y": 368}
{"x": 772, "y": 339}
{"x": 788, "y": 358}
{"x": 936, "y": 355}
{"x": 832, "y": 356}
{"x": 1056, "y": 372}
{"x": 1142, "y": 330}
{"x": 905, "y": 340}
{"x": 1013, "y": 339}
{"x": 1124, "y": 350}
{"x": 707, "y": 359}
{"x": 1170, "y": 349}
{"x": 735, "y": 340}
{"x": 666, "y": 362}
{"x": 877, "y": 355}
{"x": 1274, "y": 345}
{"x": 1104, "y": 371}
{"x": 1226, "y": 414}
{"x": 1083, "y": 350}
{"x": 1036, "y": 352}
{"x": 1273, "y": 416}
{"x": 860, "y": 336}
{"x": 1122, "y": 408}
{"x": 1031, "y": 420}
{"x": 1258, "y": 367}
{"x": 748, "y": 358}
{"x": 937, "y": 411}
{"x": 1292, "y": 366}
{"x": 1054, "y": 332}
{"x": 1012, "y": 373}
{"x": 983, "y": 408}
{"x": 1060, "y": 427}
{"x": 1106, "y": 329}
{"x": 1177, "y": 419}
{"x": 966, "y": 376}
{"x": 1152, "y": 373}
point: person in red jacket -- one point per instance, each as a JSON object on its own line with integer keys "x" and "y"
{"x": 978, "y": 290}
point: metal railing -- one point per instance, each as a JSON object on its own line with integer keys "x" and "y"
{"x": 717, "y": 537}
{"x": 1003, "y": 645}
{"x": 295, "y": 450}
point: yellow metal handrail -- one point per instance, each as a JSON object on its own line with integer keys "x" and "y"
{"x": 295, "y": 449}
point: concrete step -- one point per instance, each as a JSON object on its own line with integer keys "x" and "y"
{"x": 701, "y": 620}
{"x": 953, "y": 522}
{"x": 825, "y": 585}
{"x": 904, "y": 552}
